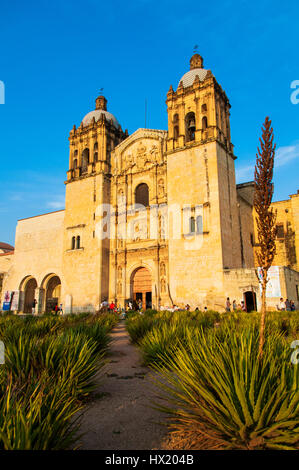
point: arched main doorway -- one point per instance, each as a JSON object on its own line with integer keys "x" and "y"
{"x": 53, "y": 293}
{"x": 29, "y": 295}
{"x": 141, "y": 283}
{"x": 250, "y": 301}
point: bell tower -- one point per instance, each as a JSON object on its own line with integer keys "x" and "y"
{"x": 87, "y": 191}
{"x": 201, "y": 173}
{"x": 199, "y": 109}
{"x": 92, "y": 142}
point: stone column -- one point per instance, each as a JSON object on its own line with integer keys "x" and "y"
{"x": 39, "y": 296}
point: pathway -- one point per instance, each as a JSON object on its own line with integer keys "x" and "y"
{"x": 119, "y": 416}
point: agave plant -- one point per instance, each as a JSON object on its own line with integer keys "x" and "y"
{"x": 40, "y": 419}
{"x": 221, "y": 391}
{"x": 50, "y": 365}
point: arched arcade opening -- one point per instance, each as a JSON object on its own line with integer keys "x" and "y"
{"x": 52, "y": 297}
{"x": 29, "y": 294}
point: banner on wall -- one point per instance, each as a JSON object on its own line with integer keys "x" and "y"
{"x": 15, "y": 297}
{"x": 11, "y": 300}
{"x": 273, "y": 285}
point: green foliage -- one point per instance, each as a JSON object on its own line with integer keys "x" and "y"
{"x": 50, "y": 366}
{"x": 213, "y": 381}
{"x": 224, "y": 392}
{"x": 162, "y": 340}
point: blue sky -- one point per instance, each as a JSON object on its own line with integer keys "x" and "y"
{"x": 55, "y": 56}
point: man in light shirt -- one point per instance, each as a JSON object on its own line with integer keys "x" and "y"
{"x": 282, "y": 304}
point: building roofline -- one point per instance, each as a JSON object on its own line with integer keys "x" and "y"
{"x": 7, "y": 253}
{"x": 243, "y": 185}
{"x": 40, "y": 215}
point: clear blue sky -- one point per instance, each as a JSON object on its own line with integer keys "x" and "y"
{"x": 56, "y": 55}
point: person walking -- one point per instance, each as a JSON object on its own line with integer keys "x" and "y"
{"x": 227, "y": 305}
{"x": 34, "y": 306}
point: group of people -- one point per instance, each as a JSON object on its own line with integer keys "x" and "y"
{"x": 286, "y": 304}
{"x": 241, "y": 306}
{"x": 110, "y": 307}
{"x": 57, "y": 309}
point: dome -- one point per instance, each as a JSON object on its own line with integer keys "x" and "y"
{"x": 101, "y": 108}
{"x": 189, "y": 77}
{"x": 97, "y": 115}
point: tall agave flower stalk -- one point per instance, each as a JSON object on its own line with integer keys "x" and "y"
{"x": 266, "y": 217}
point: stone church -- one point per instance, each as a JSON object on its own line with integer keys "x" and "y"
{"x": 154, "y": 216}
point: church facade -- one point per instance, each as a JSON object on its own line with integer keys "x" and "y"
{"x": 154, "y": 216}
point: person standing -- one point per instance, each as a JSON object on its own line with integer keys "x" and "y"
{"x": 293, "y": 308}
{"x": 34, "y": 306}
{"x": 227, "y": 305}
{"x": 234, "y": 305}
{"x": 288, "y": 305}
{"x": 281, "y": 304}
{"x": 243, "y": 306}
{"x": 112, "y": 307}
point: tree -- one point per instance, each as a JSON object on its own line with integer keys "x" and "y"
{"x": 266, "y": 217}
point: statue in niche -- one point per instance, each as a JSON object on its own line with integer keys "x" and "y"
{"x": 119, "y": 287}
{"x": 141, "y": 156}
{"x": 120, "y": 197}
{"x": 161, "y": 189}
{"x": 129, "y": 161}
{"x": 154, "y": 153}
{"x": 119, "y": 272}
{"x": 161, "y": 225}
{"x": 163, "y": 285}
{"x": 162, "y": 269}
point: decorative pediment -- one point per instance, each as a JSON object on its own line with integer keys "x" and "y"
{"x": 138, "y": 152}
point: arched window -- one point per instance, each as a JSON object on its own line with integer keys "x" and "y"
{"x": 85, "y": 160}
{"x": 73, "y": 243}
{"x": 199, "y": 226}
{"x": 78, "y": 243}
{"x": 192, "y": 225}
{"x": 75, "y": 164}
{"x": 176, "y": 126}
{"x": 95, "y": 152}
{"x": 190, "y": 127}
{"x": 142, "y": 195}
{"x": 204, "y": 123}
{"x": 196, "y": 224}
